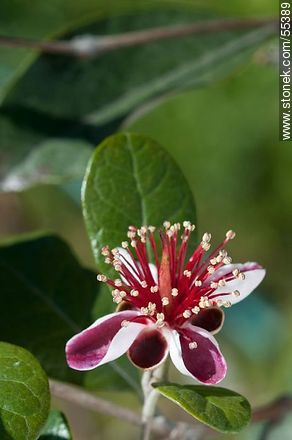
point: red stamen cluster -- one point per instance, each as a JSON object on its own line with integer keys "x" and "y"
{"x": 182, "y": 287}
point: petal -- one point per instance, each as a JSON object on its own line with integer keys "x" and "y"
{"x": 254, "y": 274}
{"x": 153, "y": 270}
{"x": 210, "y": 319}
{"x": 205, "y": 363}
{"x": 127, "y": 260}
{"x": 103, "y": 341}
{"x": 149, "y": 349}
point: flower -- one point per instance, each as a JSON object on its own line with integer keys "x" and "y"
{"x": 173, "y": 306}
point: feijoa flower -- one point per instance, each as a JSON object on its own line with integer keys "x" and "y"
{"x": 172, "y": 306}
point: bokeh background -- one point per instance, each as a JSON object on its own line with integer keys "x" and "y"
{"x": 219, "y": 123}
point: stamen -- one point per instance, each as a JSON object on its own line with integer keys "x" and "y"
{"x": 144, "y": 284}
{"x": 211, "y": 269}
{"x": 125, "y": 323}
{"x": 160, "y": 319}
{"x": 198, "y": 283}
{"x": 134, "y": 292}
{"x": 193, "y": 345}
{"x": 149, "y": 310}
{"x": 226, "y": 304}
{"x": 118, "y": 282}
{"x": 187, "y": 314}
{"x": 165, "y": 301}
{"x": 222, "y": 283}
{"x": 204, "y": 302}
{"x": 174, "y": 292}
{"x": 236, "y": 293}
{"x": 105, "y": 251}
{"x": 196, "y": 310}
{"x": 207, "y": 237}
{"x": 154, "y": 289}
{"x": 166, "y": 224}
{"x": 230, "y": 235}
{"x": 187, "y": 273}
{"x": 102, "y": 278}
{"x": 125, "y": 244}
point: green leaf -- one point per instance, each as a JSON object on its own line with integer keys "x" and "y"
{"x": 46, "y": 297}
{"x": 220, "y": 408}
{"x": 42, "y": 22}
{"x": 53, "y": 162}
{"x": 101, "y": 89}
{"x": 131, "y": 180}
{"x": 24, "y": 394}
{"x": 56, "y": 428}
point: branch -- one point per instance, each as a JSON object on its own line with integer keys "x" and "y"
{"x": 78, "y": 396}
{"x": 273, "y": 411}
{"x": 92, "y": 46}
{"x": 87, "y": 400}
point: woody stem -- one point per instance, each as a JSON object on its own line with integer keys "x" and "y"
{"x": 150, "y": 399}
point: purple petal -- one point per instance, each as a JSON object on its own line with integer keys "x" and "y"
{"x": 204, "y": 362}
{"x": 149, "y": 349}
{"x": 210, "y": 319}
{"x": 103, "y": 341}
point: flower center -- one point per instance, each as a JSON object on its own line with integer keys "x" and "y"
{"x": 176, "y": 288}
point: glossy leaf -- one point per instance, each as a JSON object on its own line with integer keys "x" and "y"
{"x": 40, "y": 22}
{"x": 52, "y": 162}
{"x": 107, "y": 87}
{"x": 131, "y": 180}
{"x": 220, "y": 408}
{"x": 46, "y": 297}
{"x": 56, "y": 428}
{"x": 55, "y": 299}
{"x": 24, "y": 394}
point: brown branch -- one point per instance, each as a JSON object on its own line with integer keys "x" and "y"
{"x": 273, "y": 411}
{"x": 90, "y": 46}
{"x": 87, "y": 400}
{"x": 78, "y": 396}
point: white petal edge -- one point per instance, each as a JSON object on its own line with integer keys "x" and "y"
{"x": 122, "y": 340}
{"x": 253, "y": 277}
{"x": 176, "y": 354}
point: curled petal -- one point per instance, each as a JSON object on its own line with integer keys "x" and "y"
{"x": 210, "y": 319}
{"x": 149, "y": 349}
{"x": 195, "y": 352}
{"x": 253, "y": 273}
{"x": 105, "y": 340}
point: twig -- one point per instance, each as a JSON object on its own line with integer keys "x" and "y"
{"x": 91, "y": 46}
{"x": 78, "y": 396}
{"x": 273, "y": 411}
{"x": 87, "y": 400}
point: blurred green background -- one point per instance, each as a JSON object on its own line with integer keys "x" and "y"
{"x": 219, "y": 121}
